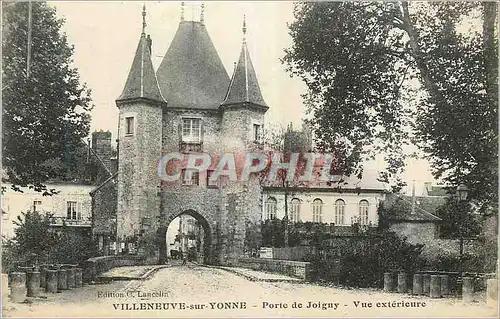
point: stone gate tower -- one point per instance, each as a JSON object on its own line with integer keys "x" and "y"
{"x": 190, "y": 105}
{"x": 139, "y": 144}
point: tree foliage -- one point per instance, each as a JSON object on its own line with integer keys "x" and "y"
{"x": 457, "y": 220}
{"x": 391, "y": 73}
{"x": 35, "y": 240}
{"x": 45, "y": 114}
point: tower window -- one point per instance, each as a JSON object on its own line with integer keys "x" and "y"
{"x": 209, "y": 182}
{"x": 190, "y": 177}
{"x": 129, "y": 125}
{"x": 257, "y": 133}
{"x": 191, "y": 130}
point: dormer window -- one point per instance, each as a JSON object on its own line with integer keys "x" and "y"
{"x": 191, "y": 130}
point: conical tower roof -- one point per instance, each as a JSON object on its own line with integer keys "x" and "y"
{"x": 244, "y": 86}
{"x": 141, "y": 81}
{"x": 191, "y": 74}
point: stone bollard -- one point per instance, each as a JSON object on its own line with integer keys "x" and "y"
{"x": 445, "y": 285}
{"x": 467, "y": 289}
{"x": 427, "y": 284}
{"x": 492, "y": 292}
{"x": 402, "y": 282}
{"x": 52, "y": 280}
{"x": 435, "y": 289}
{"x": 43, "y": 277}
{"x": 389, "y": 284}
{"x": 71, "y": 277}
{"x": 417, "y": 284}
{"x": 78, "y": 277}
{"x": 62, "y": 279}
{"x": 33, "y": 284}
{"x": 18, "y": 286}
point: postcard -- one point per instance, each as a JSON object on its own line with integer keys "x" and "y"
{"x": 249, "y": 159}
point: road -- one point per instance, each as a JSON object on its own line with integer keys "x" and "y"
{"x": 194, "y": 291}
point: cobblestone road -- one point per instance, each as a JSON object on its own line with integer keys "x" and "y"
{"x": 193, "y": 291}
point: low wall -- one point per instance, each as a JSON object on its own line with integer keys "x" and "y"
{"x": 297, "y": 269}
{"x": 95, "y": 266}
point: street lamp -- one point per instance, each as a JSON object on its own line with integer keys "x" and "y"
{"x": 462, "y": 192}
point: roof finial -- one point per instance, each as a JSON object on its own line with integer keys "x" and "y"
{"x": 182, "y": 11}
{"x": 144, "y": 19}
{"x": 202, "y": 15}
{"x": 244, "y": 28}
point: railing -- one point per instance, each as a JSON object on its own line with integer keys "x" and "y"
{"x": 82, "y": 222}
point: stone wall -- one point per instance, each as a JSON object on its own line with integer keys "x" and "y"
{"x": 104, "y": 204}
{"x": 426, "y": 233}
{"x": 297, "y": 269}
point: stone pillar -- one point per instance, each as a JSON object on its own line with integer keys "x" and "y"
{"x": 389, "y": 284}
{"x": 467, "y": 289}
{"x": 33, "y": 283}
{"x": 435, "y": 290}
{"x": 52, "y": 280}
{"x": 492, "y": 292}
{"x": 78, "y": 277}
{"x": 62, "y": 279}
{"x": 71, "y": 277}
{"x": 402, "y": 282}
{"x": 445, "y": 285}
{"x": 43, "y": 277}
{"x": 18, "y": 286}
{"x": 417, "y": 284}
{"x": 427, "y": 284}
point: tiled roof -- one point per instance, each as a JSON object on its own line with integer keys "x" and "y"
{"x": 191, "y": 74}
{"x": 398, "y": 208}
{"x": 141, "y": 81}
{"x": 244, "y": 86}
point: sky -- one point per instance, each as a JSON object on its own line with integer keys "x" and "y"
{"x": 105, "y": 36}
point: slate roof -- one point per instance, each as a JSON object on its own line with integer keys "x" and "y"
{"x": 141, "y": 81}
{"x": 425, "y": 207}
{"x": 244, "y": 86}
{"x": 191, "y": 74}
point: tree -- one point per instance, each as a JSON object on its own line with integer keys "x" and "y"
{"x": 33, "y": 235}
{"x": 388, "y": 74}
{"x": 457, "y": 219}
{"x": 45, "y": 112}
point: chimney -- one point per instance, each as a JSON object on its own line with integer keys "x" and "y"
{"x": 101, "y": 145}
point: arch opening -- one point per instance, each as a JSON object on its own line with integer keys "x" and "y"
{"x": 187, "y": 238}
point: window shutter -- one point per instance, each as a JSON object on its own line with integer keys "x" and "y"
{"x": 202, "y": 130}
{"x": 179, "y": 130}
{"x": 79, "y": 211}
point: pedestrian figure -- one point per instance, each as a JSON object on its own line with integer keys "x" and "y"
{"x": 184, "y": 259}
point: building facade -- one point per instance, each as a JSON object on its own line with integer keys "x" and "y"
{"x": 189, "y": 105}
{"x": 70, "y": 207}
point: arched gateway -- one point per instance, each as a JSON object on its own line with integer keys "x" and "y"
{"x": 204, "y": 253}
